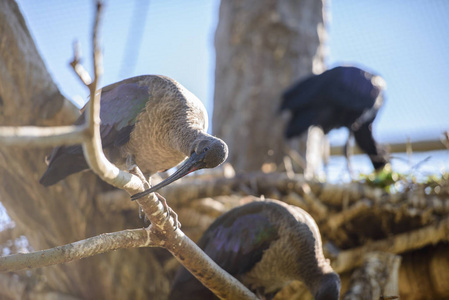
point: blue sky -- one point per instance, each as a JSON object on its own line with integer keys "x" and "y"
{"x": 407, "y": 43}
{"x": 404, "y": 41}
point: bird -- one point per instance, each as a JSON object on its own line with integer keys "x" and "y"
{"x": 345, "y": 96}
{"x": 265, "y": 244}
{"x": 148, "y": 121}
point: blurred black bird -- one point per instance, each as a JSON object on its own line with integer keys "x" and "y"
{"x": 341, "y": 97}
{"x": 265, "y": 245}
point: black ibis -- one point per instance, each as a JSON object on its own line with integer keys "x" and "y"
{"x": 265, "y": 245}
{"x": 341, "y": 97}
{"x": 150, "y": 121}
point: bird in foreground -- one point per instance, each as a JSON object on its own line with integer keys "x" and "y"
{"x": 265, "y": 245}
{"x": 341, "y": 97}
{"x": 149, "y": 121}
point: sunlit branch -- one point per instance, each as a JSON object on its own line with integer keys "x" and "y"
{"x": 41, "y": 136}
{"x": 81, "y": 249}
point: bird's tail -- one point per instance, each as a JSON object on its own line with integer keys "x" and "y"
{"x": 62, "y": 164}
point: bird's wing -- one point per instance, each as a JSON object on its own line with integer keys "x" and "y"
{"x": 352, "y": 88}
{"x": 301, "y": 121}
{"x": 121, "y": 103}
{"x": 303, "y": 94}
{"x": 238, "y": 242}
{"x": 235, "y": 241}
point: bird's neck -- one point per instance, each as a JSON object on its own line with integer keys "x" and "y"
{"x": 317, "y": 276}
{"x": 184, "y": 145}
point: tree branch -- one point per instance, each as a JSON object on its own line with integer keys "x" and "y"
{"x": 78, "y": 67}
{"x": 81, "y": 249}
{"x": 41, "y": 136}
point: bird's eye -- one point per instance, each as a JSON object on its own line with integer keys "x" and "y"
{"x": 205, "y": 149}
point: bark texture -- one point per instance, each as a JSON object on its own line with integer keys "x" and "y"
{"x": 261, "y": 48}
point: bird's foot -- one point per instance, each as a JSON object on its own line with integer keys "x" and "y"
{"x": 170, "y": 212}
{"x": 134, "y": 169}
{"x": 143, "y": 215}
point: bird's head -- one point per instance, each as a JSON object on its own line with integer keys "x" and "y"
{"x": 205, "y": 152}
{"x": 329, "y": 288}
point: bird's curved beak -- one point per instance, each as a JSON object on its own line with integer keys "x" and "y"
{"x": 193, "y": 163}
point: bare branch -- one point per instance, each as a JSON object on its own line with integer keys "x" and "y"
{"x": 202, "y": 267}
{"x": 77, "y": 250}
{"x": 92, "y": 146}
{"x": 41, "y": 136}
{"x": 97, "y": 57}
{"x": 78, "y": 67}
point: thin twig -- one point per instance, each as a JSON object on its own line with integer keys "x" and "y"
{"x": 78, "y": 67}
{"x": 81, "y": 249}
{"x": 92, "y": 147}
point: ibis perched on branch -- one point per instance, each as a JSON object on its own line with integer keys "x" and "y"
{"x": 341, "y": 97}
{"x": 265, "y": 245}
{"x": 149, "y": 121}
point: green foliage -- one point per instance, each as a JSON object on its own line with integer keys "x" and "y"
{"x": 395, "y": 182}
{"x": 385, "y": 179}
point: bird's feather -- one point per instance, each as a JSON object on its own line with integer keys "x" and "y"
{"x": 121, "y": 103}
{"x": 237, "y": 246}
{"x": 236, "y": 241}
{"x": 348, "y": 83}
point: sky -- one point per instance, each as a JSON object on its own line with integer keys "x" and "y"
{"x": 406, "y": 42}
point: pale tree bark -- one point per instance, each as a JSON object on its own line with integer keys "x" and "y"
{"x": 261, "y": 48}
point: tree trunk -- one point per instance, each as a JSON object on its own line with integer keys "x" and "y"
{"x": 262, "y": 47}
{"x": 68, "y": 211}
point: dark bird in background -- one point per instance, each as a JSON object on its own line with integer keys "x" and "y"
{"x": 340, "y": 97}
{"x": 149, "y": 121}
{"x": 265, "y": 245}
